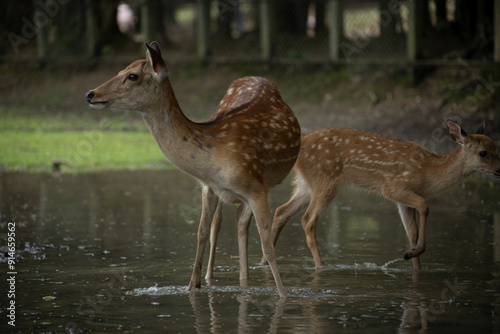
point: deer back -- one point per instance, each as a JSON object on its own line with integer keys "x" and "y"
{"x": 255, "y": 129}
{"x": 372, "y": 162}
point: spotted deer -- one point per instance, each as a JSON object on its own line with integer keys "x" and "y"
{"x": 402, "y": 172}
{"x": 249, "y": 145}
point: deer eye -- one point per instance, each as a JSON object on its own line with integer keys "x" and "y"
{"x": 483, "y": 154}
{"x": 133, "y": 77}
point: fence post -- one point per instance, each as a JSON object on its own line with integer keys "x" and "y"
{"x": 265, "y": 31}
{"x": 41, "y": 39}
{"x": 496, "y": 31}
{"x": 335, "y": 24}
{"x": 203, "y": 17}
{"x": 91, "y": 28}
{"x": 414, "y": 41}
{"x": 146, "y": 18}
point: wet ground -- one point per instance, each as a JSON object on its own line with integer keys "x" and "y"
{"x": 112, "y": 252}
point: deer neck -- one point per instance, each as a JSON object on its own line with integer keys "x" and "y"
{"x": 449, "y": 169}
{"x": 180, "y": 139}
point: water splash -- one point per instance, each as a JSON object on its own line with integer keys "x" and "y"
{"x": 386, "y": 265}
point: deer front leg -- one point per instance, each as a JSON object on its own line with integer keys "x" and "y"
{"x": 214, "y": 233}
{"x": 209, "y": 203}
{"x": 408, "y": 218}
{"x": 411, "y": 199}
{"x": 423, "y": 211}
{"x": 243, "y": 216}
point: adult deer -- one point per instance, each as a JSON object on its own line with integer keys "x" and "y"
{"x": 250, "y": 144}
{"x": 402, "y": 172}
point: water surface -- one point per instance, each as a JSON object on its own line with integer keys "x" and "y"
{"x": 112, "y": 252}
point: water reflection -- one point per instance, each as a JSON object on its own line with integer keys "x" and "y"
{"x": 113, "y": 252}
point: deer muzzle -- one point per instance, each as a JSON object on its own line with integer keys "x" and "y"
{"x": 92, "y": 102}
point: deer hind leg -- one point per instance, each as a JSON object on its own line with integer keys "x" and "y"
{"x": 209, "y": 204}
{"x": 409, "y": 198}
{"x": 283, "y": 214}
{"x": 260, "y": 209}
{"x": 408, "y": 218}
{"x": 214, "y": 233}
{"x": 243, "y": 216}
{"x": 318, "y": 205}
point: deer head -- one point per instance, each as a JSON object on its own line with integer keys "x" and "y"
{"x": 127, "y": 89}
{"x": 481, "y": 153}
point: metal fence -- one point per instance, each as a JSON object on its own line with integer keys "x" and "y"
{"x": 342, "y": 31}
{"x": 299, "y": 31}
{"x": 286, "y": 31}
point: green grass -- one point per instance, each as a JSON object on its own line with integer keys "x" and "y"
{"x": 79, "y": 151}
{"x": 31, "y": 140}
{"x": 28, "y": 120}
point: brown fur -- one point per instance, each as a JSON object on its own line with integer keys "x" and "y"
{"x": 247, "y": 146}
{"x": 402, "y": 172}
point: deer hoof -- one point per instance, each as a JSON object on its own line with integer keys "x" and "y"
{"x": 409, "y": 255}
{"x": 414, "y": 252}
{"x": 193, "y": 285}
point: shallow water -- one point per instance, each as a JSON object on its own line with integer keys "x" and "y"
{"x": 112, "y": 252}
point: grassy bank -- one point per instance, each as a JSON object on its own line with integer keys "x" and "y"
{"x": 79, "y": 151}
{"x": 34, "y": 141}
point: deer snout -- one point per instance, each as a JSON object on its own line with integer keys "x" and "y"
{"x": 90, "y": 95}
{"x": 91, "y": 99}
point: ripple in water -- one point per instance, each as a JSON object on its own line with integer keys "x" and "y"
{"x": 265, "y": 291}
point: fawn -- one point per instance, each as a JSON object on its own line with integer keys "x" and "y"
{"x": 250, "y": 144}
{"x": 402, "y": 172}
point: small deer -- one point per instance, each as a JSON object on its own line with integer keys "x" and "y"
{"x": 249, "y": 145}
{"x": 402, "y": 172}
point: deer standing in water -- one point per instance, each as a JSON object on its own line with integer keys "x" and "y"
{"x": 250, "y": 144}
{"x": 402, "y": 172}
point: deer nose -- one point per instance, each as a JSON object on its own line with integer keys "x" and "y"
{"x": 90, "y": 95}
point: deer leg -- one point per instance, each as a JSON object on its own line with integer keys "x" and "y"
{"x": 260, "y": 209}
{"x": 423, "y": 211}
{"x": 409, "y": 198}
{"x": 283, "y": 215}
{"x": 214, "y": 233}
{"x": 243, "y": 216}
{"x": 408, "y": 218}
{"x": 209, "y": 203}
{"x": 309, "y": 221}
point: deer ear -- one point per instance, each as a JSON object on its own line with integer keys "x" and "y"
{"x": 153, "y": 54}
{"x": 155, "y": 46}
{"x": 456, "y": 132}
{"x": 480, "y": 129}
